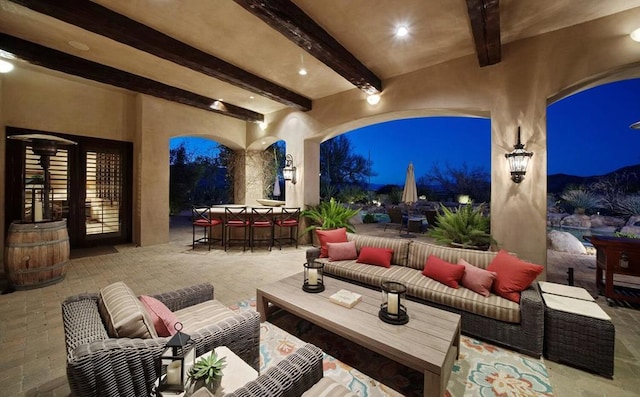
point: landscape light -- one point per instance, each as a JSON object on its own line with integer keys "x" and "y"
{"x": 518, "y": 161}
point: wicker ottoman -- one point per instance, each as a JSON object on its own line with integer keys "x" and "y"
{"x": 579, "y": 333}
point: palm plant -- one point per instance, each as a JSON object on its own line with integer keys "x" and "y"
{"x": 466, "y": 228}
{"x": 330, "y": 215}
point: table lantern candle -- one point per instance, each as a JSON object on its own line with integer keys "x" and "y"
{"x": 392, "y": 310}
{"x": 313, "y": 277}
{"x": 175, "y": 362}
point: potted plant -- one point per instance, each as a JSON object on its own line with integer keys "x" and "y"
{"x": 468, "y": 227}
{"x": 206, "y": 372}
{"x": 330, "y": 215}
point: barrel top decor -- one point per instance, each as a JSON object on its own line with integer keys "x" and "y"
{"x": 36, "y": 254}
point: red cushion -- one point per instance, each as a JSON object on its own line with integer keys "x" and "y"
{"x": 447, "y": 273}
{"x": 164, "y": 320}
{"x": 342, "y": 251}
{"x": 513, "y": 275}
{"x": 476, "y": 279}
{"x": 330, "y": 236}
{"x": 375, "y": 256}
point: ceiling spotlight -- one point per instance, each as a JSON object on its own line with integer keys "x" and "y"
{"x": 263, "y": 125}
{"x": 373, "y": 99}
{"x": 302, "y": 72}
{"x": 251, "y": 97}
{"x": 635, "y": 35}
{"x": 5, "y": 66}
{"x": 402, "y": 31}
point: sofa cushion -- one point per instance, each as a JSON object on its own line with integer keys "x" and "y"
{"x": 327, "y": 387}
{"x": 400, "y": 247}
{"x": 419, "y": 252}
{"x": 163, "y": 319}
{"x": 447, "y": 273}
{"x": 513, "y": 275}
{"x": 342, "y": 251}
{"x": 476, "y": 279}
{"x": 203, "y": 315}
{"x": 330, "y": 236}
{"x": 375, "y": 256}
{"x": 123, "y": 314}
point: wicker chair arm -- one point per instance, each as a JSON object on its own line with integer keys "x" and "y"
{"x": 532, "y": 319}
{"x": 185, "y": 297}
{"x": 313, "y": 253}
{"x": 291, "y": 377}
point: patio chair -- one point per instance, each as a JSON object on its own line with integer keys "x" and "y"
{"x": 289, "y": 219}
{"x": 261, "y": 219}
{"x": 236, "y": 218}
{"x": 396, "y": 219}
{"x": 201, "y": 218}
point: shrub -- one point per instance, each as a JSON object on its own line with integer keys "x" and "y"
{"x": 582, "y": 200}
{"x": 330, "y": 215}
{"x": 369, "y": 218}
{"x": 467, "y": 227}
{"x": 628, "y": 205}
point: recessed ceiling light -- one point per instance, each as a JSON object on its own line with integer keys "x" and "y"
{"x": 78, "y": 45}
{"x": 402, "y": 31}
{"x": 251, "y": 97}
{"x": 302, "y": 72}
{"x": 635, "y": 35}
{"x": 5, "y": 66}
{"x": 373, "y": 99}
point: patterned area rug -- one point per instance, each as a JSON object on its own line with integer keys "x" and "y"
{"x": 482, "y": 369}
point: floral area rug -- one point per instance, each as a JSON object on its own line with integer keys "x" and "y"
{"x": 482, "y": 369}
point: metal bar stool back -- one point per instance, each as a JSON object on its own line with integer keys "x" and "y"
{"x": 289, "y": 219}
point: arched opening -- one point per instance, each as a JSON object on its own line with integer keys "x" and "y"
{"x": 593, "y": 174}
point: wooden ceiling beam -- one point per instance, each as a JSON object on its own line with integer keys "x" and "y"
{"x": 63, "y": 62}
{"x": 288, "y": 19}
{"x": 485, "y": 24}
{"x": 101, "y": 20}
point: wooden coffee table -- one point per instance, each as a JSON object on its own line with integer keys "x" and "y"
{"x": 429, "y": 342}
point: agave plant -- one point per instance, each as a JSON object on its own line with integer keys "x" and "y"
{"x": 207, "y": 372}
{"x": 330, "y": 215}
{"x": 466, "y": 228}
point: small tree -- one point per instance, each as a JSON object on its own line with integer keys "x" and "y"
{"x": 454, "y": 181}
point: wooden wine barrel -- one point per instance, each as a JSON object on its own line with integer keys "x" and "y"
{"x": 36, "y": 254}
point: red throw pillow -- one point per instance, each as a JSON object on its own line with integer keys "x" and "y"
{"x": 513, "y": 275}
{"x": 447, "y": 273}
{"x": 375, "y": 256}
{"x": 164, "y": 320}
{"x": 476, "y": 279}
{"x": 342, "y": 251}
{"x": 330, "y": 236}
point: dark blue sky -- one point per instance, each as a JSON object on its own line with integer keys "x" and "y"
{"x": 588, "y": 134}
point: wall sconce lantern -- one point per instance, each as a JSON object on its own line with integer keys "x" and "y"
{"x": 518, "y": 161}
{"x": 289, "y": 170}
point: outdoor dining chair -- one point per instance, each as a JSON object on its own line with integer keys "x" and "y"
{"x": 236, "y": 219}
{"x": 261, "y": 219}
{"x": 289, "y": 219}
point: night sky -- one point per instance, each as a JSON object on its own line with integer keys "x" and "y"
{"x": 588, "y": 134}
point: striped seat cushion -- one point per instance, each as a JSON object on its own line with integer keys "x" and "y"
{"x": 400, "y": 247}
{"x": 124, "y": 314}
{"x": 327, "y": 387}
{"x": 203, "y": 315}
{"x": 427, "y": 289}
{"x": 419, "y": 252}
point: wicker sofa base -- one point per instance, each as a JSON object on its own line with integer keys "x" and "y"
{"x": 580, "y": 341}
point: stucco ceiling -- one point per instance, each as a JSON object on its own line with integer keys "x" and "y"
{"x": 439, "y": 30}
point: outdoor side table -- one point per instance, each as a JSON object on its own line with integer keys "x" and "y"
{"x": 579, "y": 333}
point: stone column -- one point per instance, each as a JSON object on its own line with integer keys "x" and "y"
{"x": 249, "y": 177}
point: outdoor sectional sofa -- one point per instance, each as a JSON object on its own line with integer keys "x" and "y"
{"x": 101, "y": 364}
{"x": 493, "y": 318}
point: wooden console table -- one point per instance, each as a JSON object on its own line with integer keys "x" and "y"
{"x": 616, "y": 256}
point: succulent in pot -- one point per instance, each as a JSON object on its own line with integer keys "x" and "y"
{"x": 206, "y": 372}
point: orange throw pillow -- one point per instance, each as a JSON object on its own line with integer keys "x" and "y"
{"x": 513, "y": 275}
{"x": 375, "y": 256}
{"x": 330, "y": 236}
{"x": 442, "y": 271}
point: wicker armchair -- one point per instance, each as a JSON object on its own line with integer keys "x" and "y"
{"x": 98, "y": 365}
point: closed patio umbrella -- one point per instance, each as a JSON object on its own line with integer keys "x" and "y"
{"x": 410, "y": 193}
{"x": 276, "y": 187}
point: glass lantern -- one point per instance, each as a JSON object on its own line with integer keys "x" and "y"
{"x": 392, "y": 310}
{"x": 175, "y": 362}
{"x": 313, "y": 277}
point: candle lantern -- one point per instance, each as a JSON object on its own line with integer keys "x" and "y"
{"x": 175, "y": 362}
{"x": 392, "y": 310}
{"x": 313, "y": 277}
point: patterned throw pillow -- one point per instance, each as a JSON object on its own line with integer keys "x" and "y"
{"x": 124, "y": 314}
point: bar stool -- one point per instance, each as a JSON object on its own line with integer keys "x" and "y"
{"x": 289, "y": 218}
{"x": 235, "y": 218}
{"x": 261, "y": 219}
{"x": 201, "y": 217}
